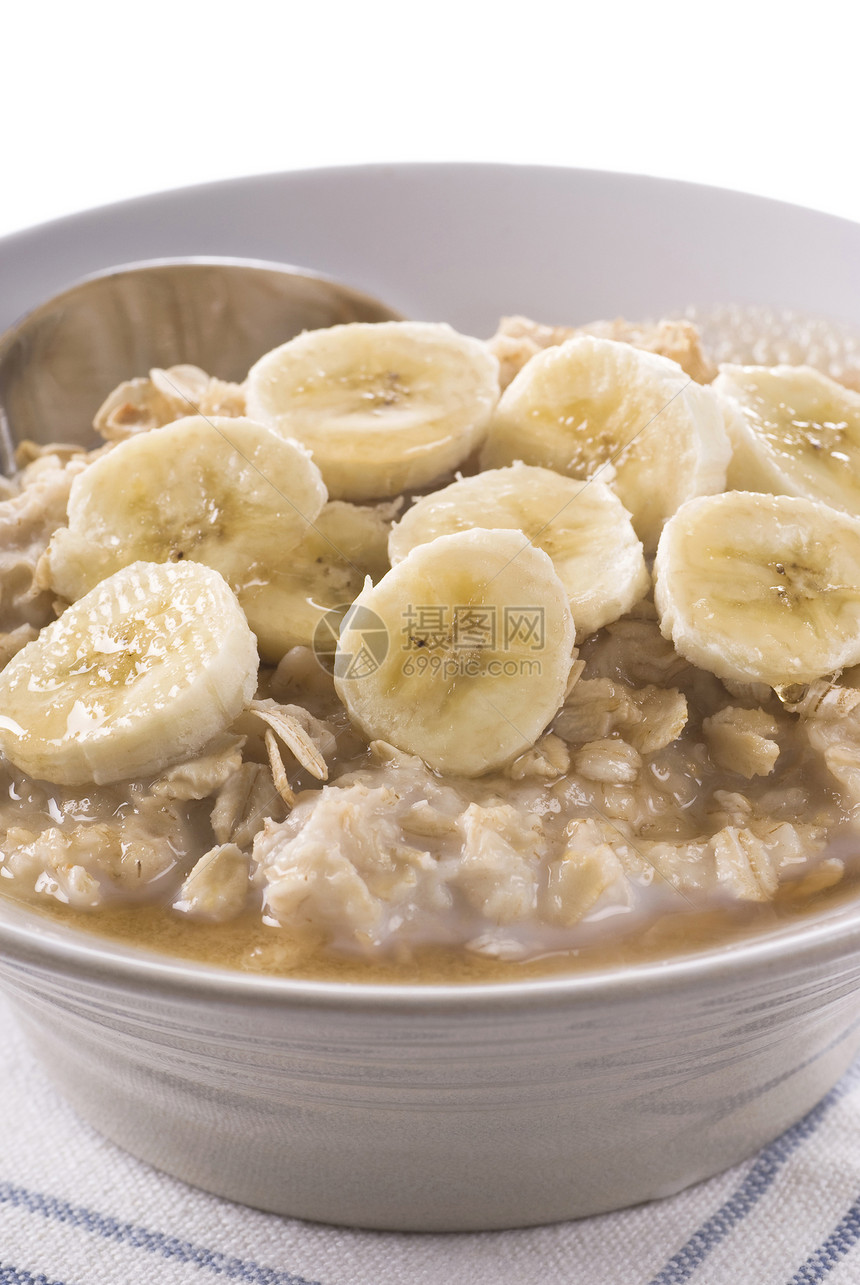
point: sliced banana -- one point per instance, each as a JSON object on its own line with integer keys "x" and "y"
{"x": 761, "y": 588}
{"x": 326, "y": 571}
{"x": 795, "y": 432}
{"x": 583, "y": 526}
{"x": 382, "y": 407}
{"x": 226, "y": 492}
{"x": 461, "y": 653}
{"x": 598, "y": 408}
{"x": 137, "y": 675}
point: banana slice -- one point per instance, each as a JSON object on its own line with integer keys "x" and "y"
{"x": 225, "y": 492}
{"x": 383, "y": 407}
{"x": 595, "y": 407}
{"x": 796, "y": 432}
{"x": 324, "y": 572}
{"x": 461, "y": 653}
{"x": 583, "y": 526}
{"x": 137, "y": 675}
{"x": 761, "y": 588}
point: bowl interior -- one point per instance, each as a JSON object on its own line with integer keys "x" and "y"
{"x": 466, "y": 243}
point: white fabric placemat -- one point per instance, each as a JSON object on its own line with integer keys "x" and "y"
{"x": 75, "y": 1210}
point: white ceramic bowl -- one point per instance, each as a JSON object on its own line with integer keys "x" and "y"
{"x": 443, "y": 1107}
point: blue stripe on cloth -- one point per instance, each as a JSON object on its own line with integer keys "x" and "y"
{"x": 760, "y": 1178}
{"x": 10, "y": 1275}
{"x": 152, "y": 1242}
{"x": 821, "y": 1262}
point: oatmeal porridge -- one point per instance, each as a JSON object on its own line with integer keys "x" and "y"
{"x": 418, "y": 656}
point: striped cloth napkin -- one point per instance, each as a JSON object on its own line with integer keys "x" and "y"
{"x": 75, "y": 1210}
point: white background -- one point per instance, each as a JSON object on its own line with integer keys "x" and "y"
{"x": 104, "y": 102}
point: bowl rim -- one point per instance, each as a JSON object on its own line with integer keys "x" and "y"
{"x": 817, "y": 938}
{"x": 33, "y": 939}
{"x": 327, "y": 173}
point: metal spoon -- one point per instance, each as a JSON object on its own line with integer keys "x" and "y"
{"x": 60, "y": 361}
